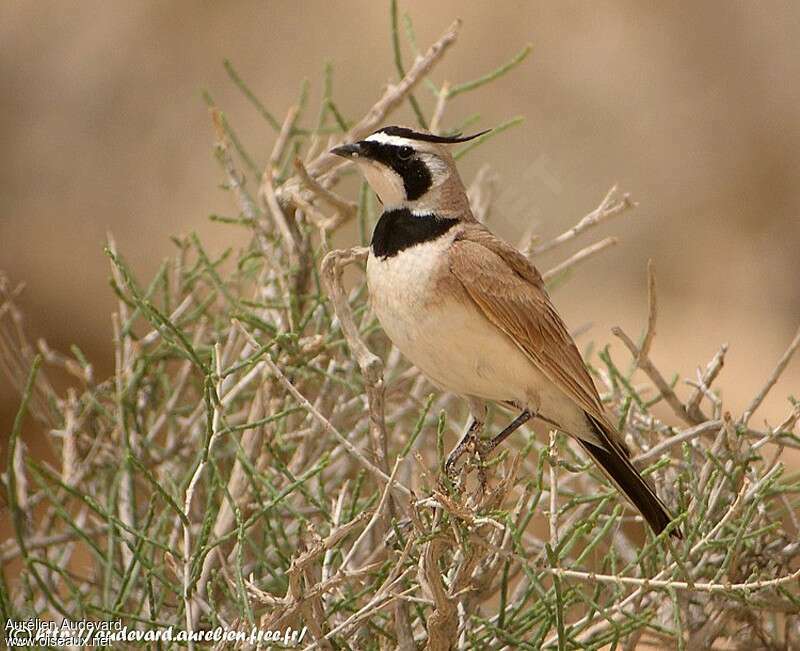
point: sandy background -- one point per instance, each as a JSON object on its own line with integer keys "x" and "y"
{"x": 694, "y": 110}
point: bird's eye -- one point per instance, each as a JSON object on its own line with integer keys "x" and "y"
{"x": 405, "y": 152}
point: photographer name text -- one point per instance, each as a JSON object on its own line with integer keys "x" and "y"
{"x": 105, "y": 633}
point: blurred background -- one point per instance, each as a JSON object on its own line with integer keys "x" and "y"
{"x": 693, "y": 109}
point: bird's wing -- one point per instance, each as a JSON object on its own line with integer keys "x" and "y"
{"x": 510, "y": 292}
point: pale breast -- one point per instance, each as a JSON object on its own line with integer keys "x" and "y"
{"x": 402, "y": 288}
{"x": 442, "y": 333}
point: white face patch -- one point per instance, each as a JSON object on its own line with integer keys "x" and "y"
{"x": 386, "y": 183}
{"x": 436, "y": 166}
{"x": 386, "y": 139}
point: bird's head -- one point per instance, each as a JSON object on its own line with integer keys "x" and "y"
{"x": 410, "y": 169}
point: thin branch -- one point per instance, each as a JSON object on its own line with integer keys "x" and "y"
{"x": 482, "y": 192}
{"x": 347, "y": 561}
{"x": 398, "y": 63}
{"x": 330, "y": 429}
{"x": 705, "y": 382}
{"x": 649, "y": 584}
{"x": 235, "y": 180}
{"x": 579, "y": 257}
{"x": 441, "y": 103}
{"x": 332, "y": 268}
{"x": 191, "y": 607}
{"x": 655, "y": 375}
{"x": 552, "y": 460}
{"x": 619, "y": 607}
{"x": 286, "y": 228}
{"x": 346, "y": 209}
{"x": 391, "y": 99}
{"x": 688, "y": 435}
{"x": 370, "y": 364}
{"x": 773, "y": 378}
{"x": 494, "y": 74}
{"x": 237, "y": 488}
{"x": 611, "y": 206}
{"x": 652, "y": 314}
{"x": 380, "y": 601}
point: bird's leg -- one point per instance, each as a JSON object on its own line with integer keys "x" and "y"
{"x": 471, "y": 436}
{"x": 482, "y": 450}
{"x": 512, "y": 427}
{"x": 478, "y": 451}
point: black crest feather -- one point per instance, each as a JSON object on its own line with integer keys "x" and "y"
{"x": 405, "y": 132}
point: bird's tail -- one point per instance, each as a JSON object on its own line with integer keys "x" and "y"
{"x": 618, "y": 467}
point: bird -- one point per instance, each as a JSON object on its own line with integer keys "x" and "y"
{"x": 472, "y": 313}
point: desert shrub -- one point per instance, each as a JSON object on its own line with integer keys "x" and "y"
{"x": 262, "y": 457}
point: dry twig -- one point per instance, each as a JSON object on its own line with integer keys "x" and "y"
{"x": 611, "y": 206}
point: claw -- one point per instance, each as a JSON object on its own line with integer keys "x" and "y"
{"x": 450, "y": 465}
{"x": 479, "y": 449}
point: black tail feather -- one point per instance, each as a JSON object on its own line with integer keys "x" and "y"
{"x": 623, "y": 473}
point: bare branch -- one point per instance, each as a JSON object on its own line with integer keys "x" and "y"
{"x": 705, "y": 382}
{"x": 237, "y": 490}
{"x": 655, "y": 375}
{"x": 647, "y": 584}
{"x": 611, "y": 206}
{"x": 370, "y": 364}
{"x": 246, "y": 202}
{"x": 442, "y": 625}
{"x": 783, "y": 362}
{"x": 552, "y": 459}
{"x": 688, "y": 435}
{"x": 652, "y": 313}
{"x": 347, "y": 561}
{"x": 441, "y": 103}
{"x": 482, "y": 192}
{"x": 330, "y": 429}
{"x": 190, "y": 601}
{"x": 286, "y": 228}
{"x": 579, "y": 257}
{"x": 345, "y": 209}
{"x": 391, "y": 99}
{"x": 332, "y": 267}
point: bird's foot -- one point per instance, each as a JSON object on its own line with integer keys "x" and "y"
{"x": 479, "y": 450}
{"x": 453, "y": 478}
{"x": 466, "y": 443}
{"x": 450, "y": 469}
{"x": 482, "y": 478}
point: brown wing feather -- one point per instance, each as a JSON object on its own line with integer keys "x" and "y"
{"x": 510, "y": 292}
